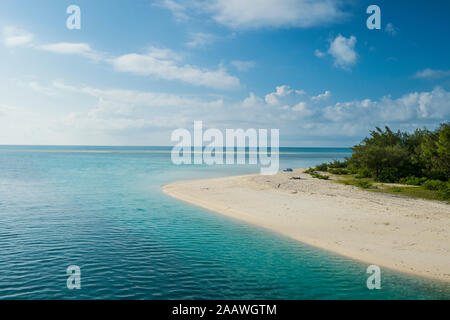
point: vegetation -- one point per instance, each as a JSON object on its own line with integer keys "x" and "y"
{"x": 364, "y": 184}
{"x": 319, "y": 176}
{"x": 338, "y": 171}
{"x": 420, "y": 159}
{"x": 391, "y": 156}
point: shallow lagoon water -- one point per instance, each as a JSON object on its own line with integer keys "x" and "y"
{"x": 104, "y": 211}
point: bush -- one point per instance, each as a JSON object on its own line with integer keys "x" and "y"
{"x": 363, "y": 173}
{"x": 336, "y": 164}
{"x": 319, "y": 176}
{"x": 310, "y": 170}
{"x": 363, "y": 184}
{"x": 322, "y": 167}
{"x": 396, "y": 189}
{"x": 413, "y": 181}
{"x": 339, "y": 171}
{"x": 434, "y": 185}
{"x": 388, "y": 175}
{"x": 444, "y": 191}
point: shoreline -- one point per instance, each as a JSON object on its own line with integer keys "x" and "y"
{"x": 403, "y": 234}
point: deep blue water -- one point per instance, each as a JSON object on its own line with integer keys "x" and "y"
{"x": 104, "y": 211}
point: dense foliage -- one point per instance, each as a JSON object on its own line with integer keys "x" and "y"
{"x": 392, "y": 156}
{"x": 421, "y": 158}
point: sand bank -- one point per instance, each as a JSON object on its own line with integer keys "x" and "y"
{"x": 409, "y": 235}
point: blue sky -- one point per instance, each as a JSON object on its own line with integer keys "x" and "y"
{"x": 137, "y": 70}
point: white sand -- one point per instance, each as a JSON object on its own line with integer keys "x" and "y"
{"x": 409, "y": 235}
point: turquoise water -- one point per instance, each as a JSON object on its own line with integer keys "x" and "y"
{"x": 104, "y": 211}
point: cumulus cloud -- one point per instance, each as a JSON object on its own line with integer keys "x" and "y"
{"x": 200, "y": 39}
{"x": 139, "y": 98}
{"x": 412, "y": 106}
{"x": 160, "y": 62}
{"x": 70, "y": 48}
{"x": 243, "y": 65}
{"x": 164, "y": 66}
{"x": 343, "y": 51}
{"x": 281, "y": 91}
{"x": 14, "y": 37}
{"x": 252, "y": 101}
{"x": 322, "y": 96}
{"x": 238, "y": 14}
{"x": 119, "y": 110}
{"x": 302, "y": 109}
{"x": 176, "y": 7}
{"x": 110, "y": 112}
{"x": 432, "y": 74}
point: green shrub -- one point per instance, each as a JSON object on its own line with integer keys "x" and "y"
{"x": 339, "y": 171}
{"x": 434, "y": 185}
{"x": 309, "y": 170}
{"x": 364, "y": 173}
{"x": 444, "y": 191}
{"x": 388, "y": 175}
{"x": 413, "y": 181}
{"x": 319, "y": 176}
{"x": 363, "y": 184}
{"x": 396, "y": 189}
{"x": 336, "y": 164}
{"x": 322, "y": 167}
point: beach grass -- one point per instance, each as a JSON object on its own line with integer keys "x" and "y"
{"x": 404, "y": 190}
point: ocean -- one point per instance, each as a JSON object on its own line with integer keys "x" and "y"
{"x": 102, "y": 209}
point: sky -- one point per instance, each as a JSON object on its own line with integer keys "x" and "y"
{"x": 137, "y": 70}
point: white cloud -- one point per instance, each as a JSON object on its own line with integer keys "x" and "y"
{"x": 432, "y": 74}
{"x": 343, "y": 51}
{"x": 271, "y": 98}
{"x": 160, "y": 62}
{"x": 391, "y": 29}
{"x": 70, "y": 48}
{"x": 177, "y": 9}
{"x": 252, "y": 101}
{"x": 120, "y": 110}
{"x": 276, "y": 13}
{"x": 41, "y": 89}
{"x": 200, "y": 39}
{"x": 322, "y": 96}
{"x": 319, "y": 53}
{"x": 302, "y": 109}
{"x": 117, "y": 116}
{"x": 243, "y": 65}
{"x": 14, "y": 37}
{"x": 281, "y": 91}
{"x": 239, "y": 14}
{"x": 410, "y": 107}
{"x": 165, "y": 67}
{"x": 138, "y": 98}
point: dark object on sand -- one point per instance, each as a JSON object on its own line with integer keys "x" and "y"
{"x": 295, "y": 178}
{"x": 288, "y": 170}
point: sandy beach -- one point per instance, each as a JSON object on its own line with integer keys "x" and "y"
{"x": 408, "y": 235}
